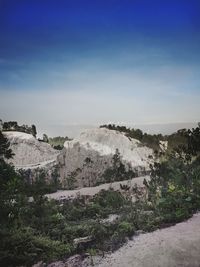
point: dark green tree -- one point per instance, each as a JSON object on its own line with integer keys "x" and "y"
{"x": 11, "y": 185}
{"x": 45, "y": 138}
{"x": 5, "y": 151}
{"x": 34, "y": 132}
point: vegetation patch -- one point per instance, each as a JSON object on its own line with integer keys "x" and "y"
{"x": 48, "y": 230}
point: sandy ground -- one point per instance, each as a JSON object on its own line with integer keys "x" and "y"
{"x": 176, "y": 246}
{"x": 90, "y": 191}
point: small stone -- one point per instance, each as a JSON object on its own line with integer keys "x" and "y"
{"x": 39, "y": 264}
{"x": 139, "y": 232}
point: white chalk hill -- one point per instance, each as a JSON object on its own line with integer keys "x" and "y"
{"x": 100, "y": 145}
{"x": 105, "y": 142}
{"x": 29, "y": 152}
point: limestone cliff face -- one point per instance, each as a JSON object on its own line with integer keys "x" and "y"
{"x": 29, "y": 152}
{"x": 88, "y": 156}
{"x": 84, "y": 160}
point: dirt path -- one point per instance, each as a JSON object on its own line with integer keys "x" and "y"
{"x": 63, "y": 194}
{"x": 176, "y": 246}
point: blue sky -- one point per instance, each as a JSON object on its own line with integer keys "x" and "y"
{"x": 90, "y": 62}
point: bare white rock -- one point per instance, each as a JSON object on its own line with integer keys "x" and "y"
{"x": 28, "y": 151}
{"x": 88, "y": 156}
{"x": 105, "y": 142}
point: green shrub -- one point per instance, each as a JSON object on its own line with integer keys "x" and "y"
{"x": 125, "y": 228}
{"x": 111, "y": 199}
{"x": 22, "y": 246}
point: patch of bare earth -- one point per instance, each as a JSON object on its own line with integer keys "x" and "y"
{"x": 175, "y": 246}
{"x": 91, "y": 191}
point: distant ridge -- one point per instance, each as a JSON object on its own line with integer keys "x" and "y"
{"x": 165, "y": 128}
{"x": 73, "y": 130}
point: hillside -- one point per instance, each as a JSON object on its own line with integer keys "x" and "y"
{"x": 29, "y": 152}
{"x": 87, "y": 157}
{"x": 113, "y": 206}
{"x": 85, "y": 161}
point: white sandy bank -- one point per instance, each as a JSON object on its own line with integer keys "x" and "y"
{"x": 90, "y": 191}
{"x": 176, "y": 246}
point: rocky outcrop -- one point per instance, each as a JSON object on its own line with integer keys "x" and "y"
{"x": 29, "y": 153}
{"x": 85, "y": 159}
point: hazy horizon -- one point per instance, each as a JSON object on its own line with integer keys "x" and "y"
{"x": 73, "y": 131}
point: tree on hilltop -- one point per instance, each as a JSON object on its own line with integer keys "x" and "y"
{"x": 34, "y": 132}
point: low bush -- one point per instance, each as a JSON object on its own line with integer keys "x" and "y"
{"x": 22, "y": 246}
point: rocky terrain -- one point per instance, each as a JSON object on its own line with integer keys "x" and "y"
{"x": 88, "y": 156}
{"x": 29, "y": 152}
{"x": 84, "y": 160}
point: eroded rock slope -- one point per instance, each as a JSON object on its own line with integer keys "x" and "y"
{"x": 86, "y": 158}
{"x": 29, "y": 152}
